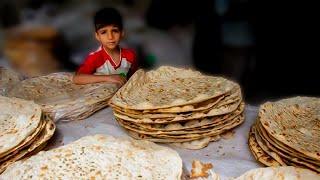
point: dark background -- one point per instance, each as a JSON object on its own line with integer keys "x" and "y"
{"x": 267, "y": 47}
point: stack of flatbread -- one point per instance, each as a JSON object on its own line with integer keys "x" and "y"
{"x": 279, "y": 173}
{"x": 180, "y": 106}
{"x": 269, "y": 173}
{"x": 61, "y": 99}
{"x": 8, "y": 78}
{"x": 287, "y": 132}
{"x": 100, "y": 157}
{"x": 23, "y": 130}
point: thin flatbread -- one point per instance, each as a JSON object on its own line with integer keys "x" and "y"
{"x": 168, "y": 87}
{"x": 294, "y": 122}
{"x": 285, "y": 173}
{"x": 18, "y": 120}
{"x": 100, "y": 157}
{"x": 38, "y": 144}
{"x": 259, "y": 154}
{"x": 61, "y": 99}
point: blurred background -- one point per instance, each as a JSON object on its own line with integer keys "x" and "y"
{"x": 258, "y": 46}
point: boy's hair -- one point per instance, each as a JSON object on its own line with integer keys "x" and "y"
{"x": 107, "y": 16}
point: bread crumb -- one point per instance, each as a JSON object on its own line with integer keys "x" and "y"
{"x": 200, "y": 169}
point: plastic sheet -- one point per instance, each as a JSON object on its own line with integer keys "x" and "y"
{"x": 8, "y": 78}
{"x": 61, "y": 99}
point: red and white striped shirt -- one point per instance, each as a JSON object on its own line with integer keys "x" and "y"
{"x": 101, "y": 63}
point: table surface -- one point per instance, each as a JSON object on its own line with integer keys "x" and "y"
{"x": 230, "y": 157}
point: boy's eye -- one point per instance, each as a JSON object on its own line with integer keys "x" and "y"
{"x": 115, "y": 30}
{"x": 102, "y": 32}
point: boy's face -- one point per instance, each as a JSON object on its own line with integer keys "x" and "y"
{"x": 109, "y": 36}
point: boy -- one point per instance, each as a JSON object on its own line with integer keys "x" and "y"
{"x": 109, "y": 63}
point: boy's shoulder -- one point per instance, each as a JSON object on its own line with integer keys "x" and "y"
{"x": 97, "y": 52}
{"x": 96, "y": 56}
{"x": 129, "y": 54}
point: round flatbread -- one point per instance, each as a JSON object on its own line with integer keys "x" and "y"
{"x": 61, "y": 99}
{"x": 258, "y": 153}
{"x": 100, "y": 157}
{"x": 18, "y": 120}
{"x": 285, "y": 173}
{"x": 168, "y": 87}
{"x": 38, "y": 144}
{"x": 295, "y": 122}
